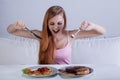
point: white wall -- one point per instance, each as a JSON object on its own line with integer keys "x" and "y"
{"x": 103, "y": 12}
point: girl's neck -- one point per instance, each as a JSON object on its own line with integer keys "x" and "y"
{"x": 58, "y": 36}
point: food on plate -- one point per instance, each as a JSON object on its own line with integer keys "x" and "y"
{"x": 75, "y": 70}
{"x": 28, "y": 71}
{"x": 78, "y": 70}
{"x": 38, "y": 72}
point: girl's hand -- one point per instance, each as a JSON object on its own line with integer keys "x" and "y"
{"x": 86, "y": 26}
{"x": 19, "y": 25}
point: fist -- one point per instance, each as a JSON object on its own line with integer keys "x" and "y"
{"x": 85, "y": 25}
{"x": 19, "y": 25}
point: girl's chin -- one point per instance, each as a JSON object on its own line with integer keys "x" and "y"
{"x": 55, "y": 33}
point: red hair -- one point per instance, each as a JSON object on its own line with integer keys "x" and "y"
{"x": 47, "y": 45}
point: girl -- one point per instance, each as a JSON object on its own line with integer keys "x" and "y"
{"x": 55, "y": 40}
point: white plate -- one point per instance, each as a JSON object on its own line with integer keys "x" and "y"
{"x": 66, "y": 74}
{"x": 54, "y": 71}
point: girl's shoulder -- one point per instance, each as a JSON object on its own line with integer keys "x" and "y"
{"x": 69, "y": 35}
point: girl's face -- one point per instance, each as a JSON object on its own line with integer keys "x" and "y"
{"x": 56, "y": 24}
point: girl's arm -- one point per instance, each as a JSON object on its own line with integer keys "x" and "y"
{"x": 18, "y": 28}
{"x": 88, "y": 29}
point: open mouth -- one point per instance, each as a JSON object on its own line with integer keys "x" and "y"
{"x": 56, "y": 31}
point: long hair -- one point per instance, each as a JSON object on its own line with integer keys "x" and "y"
{"x": 47, "y": 45}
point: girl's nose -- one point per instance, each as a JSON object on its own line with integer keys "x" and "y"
{"x": 56, "y": 26}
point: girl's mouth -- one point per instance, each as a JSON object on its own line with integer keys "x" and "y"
{"x": 56, "y": 31}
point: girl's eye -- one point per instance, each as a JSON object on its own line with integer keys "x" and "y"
{"x": 59, "y": 23}
{"x": 51, "y": 23}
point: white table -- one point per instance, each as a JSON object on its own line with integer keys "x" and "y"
{"x": 101, "y": 72}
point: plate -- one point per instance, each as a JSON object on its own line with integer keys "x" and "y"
{"x": 30, "y": 71}
{"x": 68, "y": 73}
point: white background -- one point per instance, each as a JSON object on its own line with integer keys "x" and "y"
{"x": 102, "y": 12}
